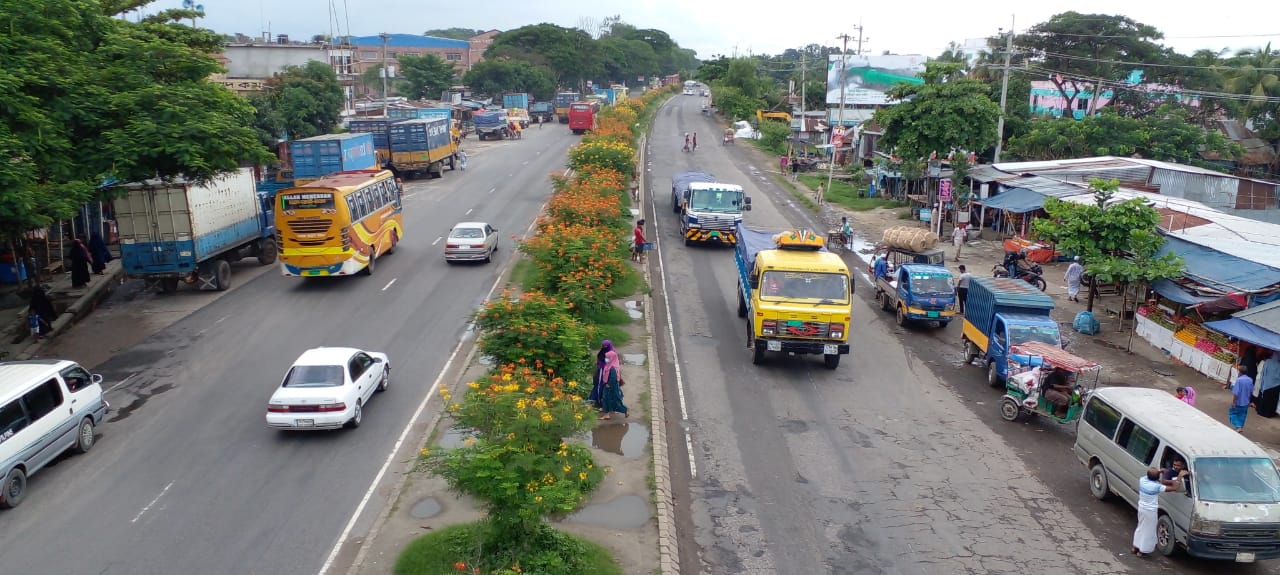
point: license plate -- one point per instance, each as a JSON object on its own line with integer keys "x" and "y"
{"x": 774, "y": 346}
{"x": 1245, "y": 557}
{"x": 313, "y": 272}
{"x": 306, "y": 422}
{"x": 931, "y": 314}
{"x": 830, "y": 349}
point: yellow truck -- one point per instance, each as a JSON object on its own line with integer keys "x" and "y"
{"x": 422, "y": 146}
{"x": 797, "y": 297}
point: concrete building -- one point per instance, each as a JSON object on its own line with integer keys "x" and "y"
{"x": 369, "y": 52}
{"x": 249, "y": 65}
{"x": 480, "y": 43}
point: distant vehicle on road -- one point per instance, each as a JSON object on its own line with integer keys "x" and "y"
{"x": 688, "y": 91}
{"x": 471, "y": 241}
{"x": 327, "y": 387}
{"x": 582, "y": 116}
{"x": 340, "y": 224}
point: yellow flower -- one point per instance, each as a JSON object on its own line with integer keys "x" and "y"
{"x": 521, "y": 404}
{"x": 577, "y": 416}
{"x": 590, "y": 466}
{"x": 538, "y": 498}
{"x": 582, "y": 476}
{"x": 444, "y": 391}
{"x": 546, "y": 417}
{"x": 473, "y": 385}
{"x": 506, "y": 377}
{"x": 567, "y": 468}
{"x": 469, "y": 441}
{"x": 539, "y": 403}
{"x": 425, "y": 452}
{"x": 511, "y": 436}
{"x": 454, "y": 407}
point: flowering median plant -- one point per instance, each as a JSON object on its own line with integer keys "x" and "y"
{"x": 577, "y": 262}
{"x": 537, "y": 331}
{"x": 602, "y": 153}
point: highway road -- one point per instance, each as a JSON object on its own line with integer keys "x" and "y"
{"x": 876, "y": 467}
{"x": 188, "y": 479}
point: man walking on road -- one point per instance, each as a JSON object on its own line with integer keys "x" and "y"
{"x": 962, "y": 288}
{"x": 1075, "y": 273}
{"x": 958, "y": 236}
{"x": 1241, "y": 399}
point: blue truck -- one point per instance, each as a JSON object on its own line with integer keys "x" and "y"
{"x": 422, "y": 146}
{"x": 319, "y": 156}
{"x": 516, "y": 100}
{"x": 1002, "y": 312}
{"x": 543, "y": 111}
{"x": 918, "y": 293}
{"x": 491, "y": 125}
{"x": 378, "y": 128}
{"x": 180, "y": 231}
{"x": 420, "y": 113}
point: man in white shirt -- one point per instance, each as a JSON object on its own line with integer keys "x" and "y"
{"x": 958, "y": 236}
{"x": 1149, "y": 490}
{"x": 962, "y": 288}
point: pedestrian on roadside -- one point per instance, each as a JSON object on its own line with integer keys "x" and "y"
{"x": 1149, "y": 490}
{"x": 782, "y": 161}
{"x": 462, "y": 160}
{"x": 80, "y": 259}
{"x": 795, "y": 168}
{"x": 40, "y": 313}
{"x": 846, "y": 233}
{"x": 1268, "y": 386}
{"x": 1074, "y": 278}
{"x": 540, "y": 122}
{"x": 101, "y": 255}
{"x": 613, "y": 383}
{"x": 1241, "y": 398}
{"x": 962, "y": 288}
{"x": 1187, "y": 394}
{"x": 637, "y": 252}
{"x": 817, "y": 196}
{"x": 958, "y": 236}
{"x": 596, "y": 397}
{"x": 695, "y": 141}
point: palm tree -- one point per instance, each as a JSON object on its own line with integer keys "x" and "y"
{"x": 1254, "y": 74}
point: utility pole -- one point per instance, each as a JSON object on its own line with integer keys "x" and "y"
{"x": 1004, "y": 90}
{"x": 384, "y": 37}
{"x": 804, "y": 67}
{"x": 831, "y": 166}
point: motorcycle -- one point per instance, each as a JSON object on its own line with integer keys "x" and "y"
{"x": 1033, "y": 274}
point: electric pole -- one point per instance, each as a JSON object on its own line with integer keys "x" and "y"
{"x": 1004, "y": 90}
{"x": 384, "y": 37}
{"x": 831, "y": 166}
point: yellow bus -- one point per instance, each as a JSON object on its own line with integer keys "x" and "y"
{"x": 340, "y": 224}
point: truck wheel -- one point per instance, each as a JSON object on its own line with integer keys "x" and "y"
{"x": 832, "y": 361}
{"x": 883, "y": 299}
{"x": 687, "y": 241}
{"x": 757, "y": 356}
{"x": 453, "y": 162}
{"x": 168, "y": 285}
{"x": 993, "y": 375}
{"x": 970, "y": 352}
{"x": 901, "y": 316}
{"x": 222, "y": 275}
{"x": 267, "y": 252}
{"x": 742, "y": 303}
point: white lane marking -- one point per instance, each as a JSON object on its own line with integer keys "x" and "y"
{"x": 492, "y": 190}
{"x": 221, "y": 319}
{"x": 437, "y": 240}
{"x": 469, "y": 212}
{"x": 153, "y": 502}
{"x": 510, "y": 175}
{"x": 675, "y": 354}
{"x": 393, "y": 280}
{"x": 118, "y": 385}
{"x": 435, "y": 387}
{"x": 526, "y": 162}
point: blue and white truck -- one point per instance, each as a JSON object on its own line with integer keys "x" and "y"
{"x": 1000, "y": 313}
{"x": 318, "y": 156}
{"x": 181, "y": 231}
{"x": 710, "y": 211}
{"x": 491, "y": 125}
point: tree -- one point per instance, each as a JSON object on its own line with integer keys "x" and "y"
{"x": 454, "y": 33}
{"x": 89, "y": 96}
{"x": 569, "y": 53}
{"x": 301, "y": 102}
{"x": 1254, "y": 74}
{"x": 497, "y": 76}
{"x": 1163, "y": 135}
{"x": 1118, "y": 242}
{"x": 1083, "y": 52}
{"x": 711, "y": 71}
{"x": 425, "y": 76}
{"x": 945, "y": 113}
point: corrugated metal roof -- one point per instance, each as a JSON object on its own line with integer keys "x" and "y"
{"x": 409, "y": 41}
{"x": 1265, "y": 316}
{"x": 1048, "y": 187}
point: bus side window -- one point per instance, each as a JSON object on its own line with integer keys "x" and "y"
{"x": 353, "y": 208}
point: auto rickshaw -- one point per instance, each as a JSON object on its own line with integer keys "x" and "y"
{"x": 1039, "y": 373}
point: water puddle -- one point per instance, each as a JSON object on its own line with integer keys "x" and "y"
{"x": 626, "y": 439}
{"x": 426, "y": 509}
{"x": 123, "y": 412}
{"x": 863, "y": 248}
{"x": 455, "y": 437}
{"x": 634, "y": 358}
{"x": 625, "y": 512}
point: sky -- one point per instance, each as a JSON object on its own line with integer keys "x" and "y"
{"x": 715, "y": 27}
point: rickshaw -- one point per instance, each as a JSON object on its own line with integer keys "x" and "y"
{"x": 728, "y": 136}
{"x": 1035, "y": 368}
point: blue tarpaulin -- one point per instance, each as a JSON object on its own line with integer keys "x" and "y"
{"x": 1222, "y": 271}
{"x": 1017, "y": 200}
{"x": 1176, "y": 293}
{"x": 1245, "y": 331}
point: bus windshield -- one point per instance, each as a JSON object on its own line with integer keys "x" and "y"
{"x": 716, "y": 200}
{"x": 779, "y": 285}
{"x": 307, "y": 201}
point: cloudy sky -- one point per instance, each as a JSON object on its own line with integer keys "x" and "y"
{"x": 747, "y": 26}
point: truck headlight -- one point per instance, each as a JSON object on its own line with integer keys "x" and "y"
{"x": 768, "y": 327}
{"x": 835, "y": 331}
{"x": 1205, "y": 527}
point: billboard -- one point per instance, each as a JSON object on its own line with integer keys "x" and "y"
{"x": 867, "y": 78}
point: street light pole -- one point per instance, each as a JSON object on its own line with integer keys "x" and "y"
{"x": 1004, "y": 91}
{"x": 384, "y": 37}
{"x": 831, "y": 166}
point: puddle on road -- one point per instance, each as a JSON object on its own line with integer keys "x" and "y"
{"x": 863, "y": 248}
{"x": 454, "y": 437}
{"x": 426, "y": 509}
{"x": 123, "y": 412}
{"x": 625, "y": 439}
{"x": 625, "y": 512}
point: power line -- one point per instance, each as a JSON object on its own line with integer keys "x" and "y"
{"x": 1151, "y": 64}
{"x": 1173, "y": 91}
{"x": 1053, "y": 34}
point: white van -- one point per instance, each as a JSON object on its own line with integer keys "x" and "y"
{"x": 46, "y": 407}
{"x": 1230, "y": 509}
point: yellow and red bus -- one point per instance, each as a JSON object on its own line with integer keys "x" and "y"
{"x": 340, "y": 224}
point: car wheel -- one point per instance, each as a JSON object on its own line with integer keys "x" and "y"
{"x": 386, "y": 378}
{"x": 85, "y": 437}
{"x": 1099, "y": 486}
{"x": 1009, "y": 408}
{"x": 993, "y": 375}
{"x": 356, "y": 418}
{"x": 488, "y": 256}
{"x": 1166, "y": 536}
{"x": 14, "y": 488}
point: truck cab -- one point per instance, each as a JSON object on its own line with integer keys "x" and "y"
{"x": 918, "y": 293}
{"x": 999, "y": 313}
{"x": 710, "y": 211}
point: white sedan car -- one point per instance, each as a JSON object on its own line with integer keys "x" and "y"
{"x": 327, "y": 388}
{"x": 471, "y": 241}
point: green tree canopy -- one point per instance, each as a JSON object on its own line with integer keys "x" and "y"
{"x": 301, "y": 102}
{"x": 945, "y": 113}
{"x": 88, "y": 96}
{"x": 569, "y": 53}
{"x": 1163, "y": 135}
{"x": 425, "y": 77}
{"x": 494, "y": 77}
{"x": 454, "y": 33}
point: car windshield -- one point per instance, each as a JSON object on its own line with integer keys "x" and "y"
{"x": 467, "y": 233}
{"x": 314, "y": 376}
{"x": 778, "y": 285}
{"x": 1236, "y": 480}
{"x": 716, "y": 200}
{"x": 1029, "y": 333}
{"x": 927, "y": 284}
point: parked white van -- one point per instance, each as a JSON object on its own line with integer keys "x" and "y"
{"x": 46, "y": 408}
{"x": 1230, "y": 508}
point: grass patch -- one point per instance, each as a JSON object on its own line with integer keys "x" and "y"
{"x": 631, "y": 283}
{"x": 845, "y": 193}
{"x": 612, "y": 324}
{"x": 556, "y": 553}
{"x": 796, "y": 192}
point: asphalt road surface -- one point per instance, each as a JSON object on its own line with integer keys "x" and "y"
{"x": 876, "y": 467}
{"x": 188, "y": 479}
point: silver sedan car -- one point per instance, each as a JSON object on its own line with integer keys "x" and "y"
{"x": 471, "y": 241}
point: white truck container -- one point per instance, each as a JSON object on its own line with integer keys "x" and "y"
{"x": 185, "y": 231}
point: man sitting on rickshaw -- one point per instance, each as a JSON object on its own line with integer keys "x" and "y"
{"x": 1058, "y": 391}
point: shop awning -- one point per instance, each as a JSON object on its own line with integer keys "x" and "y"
{"x": 1219, "y": 270}
{"x": 1177, "y": 293}
{"x": 1017, "y": 200}
{"x": 1245, "y": 331}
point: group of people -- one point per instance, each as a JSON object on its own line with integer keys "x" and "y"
{"x": 1262, "y": 393}
{"x": 607, "y": 383}
{"x": 690, "y": 143}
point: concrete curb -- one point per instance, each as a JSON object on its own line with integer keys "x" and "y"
{"x": 668, "y": 543}
{"x": 82, "y": 306}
